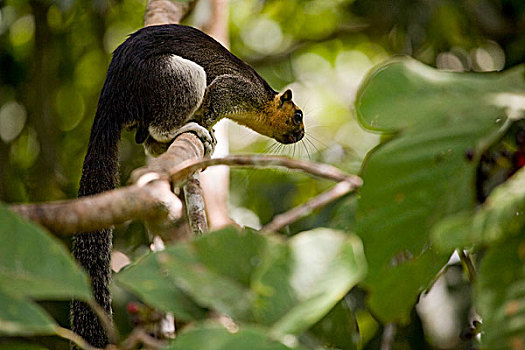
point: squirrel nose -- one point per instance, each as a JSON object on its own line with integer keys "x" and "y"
{"x": 296, "y": 135}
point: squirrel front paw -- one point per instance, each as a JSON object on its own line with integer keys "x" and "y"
{"x": 206, "y": 136}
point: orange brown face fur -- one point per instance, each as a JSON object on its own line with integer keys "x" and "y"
{"x": 280, "y": 119}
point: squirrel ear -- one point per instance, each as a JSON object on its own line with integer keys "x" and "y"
{"x": 286, "y": 96}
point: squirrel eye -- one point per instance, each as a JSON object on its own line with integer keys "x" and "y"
{"x": 298, "y": 117}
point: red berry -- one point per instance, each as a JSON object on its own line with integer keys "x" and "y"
{"x": 132, "y": 307}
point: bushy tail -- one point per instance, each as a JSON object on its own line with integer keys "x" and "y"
{"x": 93, "y": 249}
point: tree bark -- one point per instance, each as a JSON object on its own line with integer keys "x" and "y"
{"x": 215, "y": 181}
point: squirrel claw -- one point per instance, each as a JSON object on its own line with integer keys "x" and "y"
{"x": 206, "y": 136}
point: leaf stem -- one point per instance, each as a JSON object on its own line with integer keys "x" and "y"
{"x": 75, "y": 338}
{"x": 139, "y": 335}
{"x": 468, "y": 266}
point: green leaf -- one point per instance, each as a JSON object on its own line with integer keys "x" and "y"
{"x": 247, "y": 276}
{"x": 501, "y": 215}
{"x": 207, "y": 287}
{"x": 247, "y": 250}
{"x": 500, "y": 295}
{"x": 35, "y": 264}
{"x": 404, "y": 93}
{"x": 303, "y": 280}
{"x": 149, "y": 282}
{"x": 21, "y": 317}
{"x": 216, "y": 337}
{"x": 422, "y": 175}
{"x": 338, "y": 329}
{"x": 214, "y": 270}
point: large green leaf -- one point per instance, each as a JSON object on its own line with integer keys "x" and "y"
{"x": 249, "y": 249}
{"x": 149, "y": 282}
{"x": 19, "y": 316}
{"x": 285, "y": 285}
{"x": 501, "y": 215}
{"x": 443, "y": 122}
{"x": 500, "y": 295}
{"x": 303, "y": 280}
{"x": 404, "y": 93}
{"x": 216, "y": 337}
{"x": 214, "y": 270}
{"x": 35, "y": 264}
{"x": 207, "y": 287}
{"x": 338, "y": 329}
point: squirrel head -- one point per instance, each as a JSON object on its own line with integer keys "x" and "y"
{"x": 285, "y": 119}
{"x": 278, "y": 118}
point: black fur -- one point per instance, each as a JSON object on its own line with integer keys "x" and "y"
{"x": 138, "y": 93}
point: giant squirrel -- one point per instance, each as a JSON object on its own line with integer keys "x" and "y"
{"x": 160, "y": 79}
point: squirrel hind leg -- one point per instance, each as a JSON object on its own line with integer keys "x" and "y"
{"x": 181, "y": 89}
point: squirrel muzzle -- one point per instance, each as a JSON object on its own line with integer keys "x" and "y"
{"x": 286, "y": 119}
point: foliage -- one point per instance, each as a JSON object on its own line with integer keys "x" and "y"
{"x": 29, "y": 272}
{"x": 423, "y": 174}
{"x": 417, "y": 182}
{"x": 420, "y": 201}
{"x": 282, "y": 288}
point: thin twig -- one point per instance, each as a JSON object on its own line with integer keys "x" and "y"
{"x": 75, "y": 338}
{"x": 139, "y": 335}
{"x": 105, "y": 321}
{"x": 389, "y": 334}
{"x": 468, "y": 266}
{"x": 181, "y": 172}
{"x": 280, "y": 221}
{"x": 195, "y": 205}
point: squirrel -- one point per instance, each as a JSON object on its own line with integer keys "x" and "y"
{"x": 161, "y": 81}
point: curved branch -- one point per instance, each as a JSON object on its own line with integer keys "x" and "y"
{"x": 152, "y": 201}
{"x": 281, "y": 220}
{"x": 321, "y": 170}
{"x": 150, "y": 197}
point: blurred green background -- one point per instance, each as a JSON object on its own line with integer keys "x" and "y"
{"x": 54, "y": 56}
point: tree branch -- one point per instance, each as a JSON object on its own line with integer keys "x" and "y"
{"x": 388, "y": 337}
{"x": 140, "y": 336}
{"x": 195, "y": 209}
{"x": 321, "y": 170}
{"x": 216, "y": 181}
{"x": 152, "y": 201}
{"x": 281, "y": 220}
{"x": 150, "y": 198}
{"x": 171, "y": 12}
{"x": 166, "y": 11}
